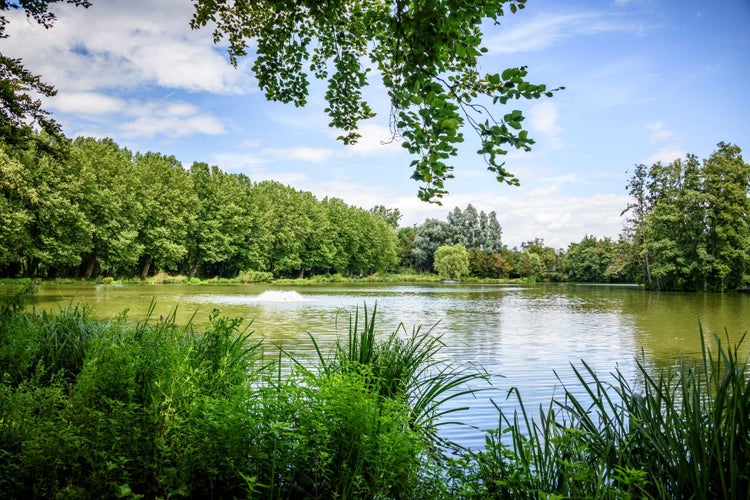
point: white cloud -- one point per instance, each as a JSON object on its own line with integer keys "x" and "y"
{"x": 113, "y": 45}
{"x": 171, "y": 119}
{"x": 376, "y": 139}
{"x": 87, "y": 103}
{"x": 658, "y": 133}
{"x": 666, "y": 155}
{"x": 543, "y": 119}
{"x": 314, "y": 155}
{"x": 545, "y": 30}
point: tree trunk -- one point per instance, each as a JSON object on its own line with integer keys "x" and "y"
{"x": 90, "y": 267}
{"x": 648, "y": 270}
{"x": 147, "y": 267}
{"x": 194, "y": 269}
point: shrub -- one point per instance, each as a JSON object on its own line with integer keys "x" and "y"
{"x": 251, "y": 276}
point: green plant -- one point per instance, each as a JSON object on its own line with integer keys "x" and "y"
{"x": 684, "y": 434}
{"x": 404, "y": 367}
{"x": 251, "y": 276}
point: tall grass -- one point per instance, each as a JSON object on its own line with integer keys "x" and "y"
{"x": 680, "y": 433}
{"x": 405, "y": 367}
{"x": 110, "y": 409}
{"x": 92, "y": 409}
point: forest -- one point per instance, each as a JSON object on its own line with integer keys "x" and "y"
{"x": 99, "y": 210}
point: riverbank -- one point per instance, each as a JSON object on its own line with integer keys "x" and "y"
{"x": 167, "y": 279}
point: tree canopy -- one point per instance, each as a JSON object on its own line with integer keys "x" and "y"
{"x": 689, "y": 221}
{"x": 426, "y": 53}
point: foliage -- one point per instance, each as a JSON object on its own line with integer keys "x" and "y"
{"x": 391, "y": 216}
{"x": 108, "y": 409}
{"x": 103, "y": 210}
{"x": 250, "y": 276}
{"x": 97, "y": 409}
{"x": 589, "y": 260}
{"x": 427, "y": 54}
{"x": 689, "y": 221}
{"x": 452, "y": 261}
{"x": 404, "y": 367}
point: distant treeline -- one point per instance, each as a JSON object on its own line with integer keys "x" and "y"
{"x": 101, "y": 210}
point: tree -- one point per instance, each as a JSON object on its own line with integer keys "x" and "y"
{"x": 391, "y": 216}
{"x": 452, "y": 261}
{"x": 426, "y": 52}
{"x": 475, "y": 229}
{"x": 727, "y": 195}
{"x": 53, "y": 192}
{"x": 543, "y": 260}
{"x": 588, "y": 260}
{"x": 430, "y": 235}
{"x": 217, "y": 224}
{"x": 109, "y": 203}
{"x": 689, "y": 221}
{"x": 464, "y": 226}
{"x": 167, "y": 199}
{"x": 16, "y": 216}
{"x": 635, "y": 224}
{"x": 20, "y": 110}
{"x": 491, "y": 232}
{"x": 406, "y": 236}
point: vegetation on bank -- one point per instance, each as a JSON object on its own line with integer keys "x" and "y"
{"x": 103, "y": 211}
{"x": 92, "y": 409}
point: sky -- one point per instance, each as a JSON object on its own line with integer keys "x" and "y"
{"x": 645, "y": 81}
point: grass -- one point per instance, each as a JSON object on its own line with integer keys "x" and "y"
{"x": 92, "y": 409}
{"x": 404, "y": 367}
{"x": 680, "y": 433}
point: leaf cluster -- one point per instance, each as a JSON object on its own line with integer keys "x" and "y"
{"x": 426, "y": 53}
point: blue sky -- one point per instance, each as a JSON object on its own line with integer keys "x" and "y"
{"x": 646, "y": 80}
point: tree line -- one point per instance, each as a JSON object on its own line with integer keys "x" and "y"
{"x": 687, "y": 228}
{"x": 101, "y": 210}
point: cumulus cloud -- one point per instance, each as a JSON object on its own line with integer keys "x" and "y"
{"x": 123, "y": 45}
{"x": 171, "y": 119}
{"x": 87, "y": 103}
{"x": 666, "y": 155}
{"x": 376, "y": 139}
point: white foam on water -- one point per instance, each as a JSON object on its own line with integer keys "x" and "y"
{"x": 280, "y": 296}
{"x": 269, "y": 296}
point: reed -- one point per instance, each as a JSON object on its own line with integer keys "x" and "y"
{"x": 405, "y": 366}
{"x": 683, "y": 432}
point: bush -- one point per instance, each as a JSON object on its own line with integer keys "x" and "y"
{"x": 250, "y": 276}
{"x": 98, "y": 409}
{"x": 162, "y": 278}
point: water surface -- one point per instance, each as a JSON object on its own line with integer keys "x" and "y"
{"x": 524, "y": 336}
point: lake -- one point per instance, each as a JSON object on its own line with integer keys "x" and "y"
{"x": 522, "y": 335}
